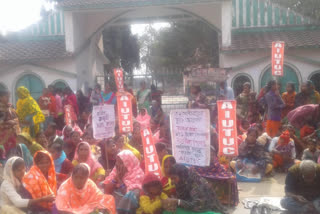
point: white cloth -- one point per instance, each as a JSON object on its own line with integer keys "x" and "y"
{"x": 8, "y": 189}
{"x": 274, "y": 142}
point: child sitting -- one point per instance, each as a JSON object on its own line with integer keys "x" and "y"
{"x": 152, "y": 195}
{"x": 311, "y": 153}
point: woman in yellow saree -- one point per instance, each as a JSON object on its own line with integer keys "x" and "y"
{"x": 29, "y": 112}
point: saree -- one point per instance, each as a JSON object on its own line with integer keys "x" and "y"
{"x": 83, "y": 201}
{"x": 109, "y": 98}
{"x": 22, "y": 151}
{"x": 38, "y": 185}
{"x": 289, "y": 100}
{"x": 29, "y": 112}
{"x": 144, "y": 99}
{"x": 144, "y": 120}
{"x": 9, "y": 127}
{"x": 168, "y": 186}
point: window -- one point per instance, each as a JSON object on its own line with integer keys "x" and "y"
{"x": 238, "y": 82}
{"x": 60, "y": 85}
{"x": 315, "y": 78}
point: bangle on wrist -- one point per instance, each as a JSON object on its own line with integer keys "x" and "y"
{"x": 114, "y": 181}
{"x": 179, "y": 202}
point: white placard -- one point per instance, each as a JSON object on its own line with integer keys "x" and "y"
{"x": 103, "y": 121}
{"x": 190, "y": 131}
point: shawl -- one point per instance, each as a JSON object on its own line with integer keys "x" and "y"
{"x": 83, "y": 201}
{"x": 58, "y": 162}
{"x": 37, "y": 184}
{"x": 108, "y": 98}
{"x": 92, "y": 163}
{"x": 8, "y": 172}
{"x": 26, "y": 155}
{"x": 144, "y": 120}
{"x": 26, "y": 106}
{"x": 134, "y": 175}
{"x": 71, "y": 99}
{"x": 285, "y": 136}
{"x": 303, "y": 115}
{"x": 167, "y": 184}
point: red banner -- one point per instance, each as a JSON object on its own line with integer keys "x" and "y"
{"x": 277, "y": 58}
{"x": 69, "y": 115}
{"x": 227, "y": 126}
{"x": 124, "y": 112}
{"x": 152, "y": 163}
{"x": 118, "y": 76}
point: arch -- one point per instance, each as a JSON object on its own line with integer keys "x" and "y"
{"x": 291, "y": 74}
{"x": 60, "y": 83}
{"x": 315, "y": 78}
{"x": 238, "y": 80}
{"x": 32, "y": 82}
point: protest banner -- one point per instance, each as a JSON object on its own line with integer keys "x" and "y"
{"x": 124, "y": 112}
{"x": 69, "y": 115}
{"x": 103, "y": 121}
{"x": 152, "y": 163}
{"x": 277, "y": 58}
{"x": 227, "y": 124}
{"x": 118, "y": 77}
{"x": 190, "y": 131}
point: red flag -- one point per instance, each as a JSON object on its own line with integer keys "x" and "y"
{"x": 277, "y": 58}
{"x": 118, "y": 76}
{"x": 124, "y": 112}
{"x": 227, "y": 116}
{"x": 69, "y": 115}
{"x": 152, "y": 163}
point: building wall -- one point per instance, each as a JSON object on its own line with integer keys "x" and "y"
{"x": 11, "y": 75}
{"x": 253, "y": 64}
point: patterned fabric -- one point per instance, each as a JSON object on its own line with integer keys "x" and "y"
{"x": 195, "y": 193}
{"x": 83, "y": 201}
{"x": 37, "y": 184}
{"x": 220, "y": 180}
{"x": 8, "y": 173}
{"x": 129, "y": 202}
{"x": 92, "y": 163}
{"x": 304, "y": 115}
{"x": 289, "y": 100}
{"x": 144, "y": 120}
{"x": 134, "y": 175}
{"x": 168, "y": 186}
{"x": 32, "y": 146}
{"x": 143, "y": 98}
{"x": 9, "y": 127}
{"x": 27, "y": 106}
{"x": 22, "y": 151}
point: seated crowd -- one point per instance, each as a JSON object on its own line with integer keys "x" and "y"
{"x": 50, "y": 167}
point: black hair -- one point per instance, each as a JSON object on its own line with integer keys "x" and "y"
{"x": 313, "y": 141}
{"x": 53, "y": 125}
{"x": 252, "y": 129}
{"x": 56, "y": 147}
{"x": 39, "y": 157}
{"x": 58, "y": 141}
{"x": 292, "y": 85}
{"x": 179, "y": 170}
{"x": 270, "y": 84}
{"x": 73, "y": 132}
{"x": 258, "y": 126}
{"x": 197, "y": 87}
{"x": 17, "y": 164}
{"x": 171, "y": 159}
{"x": 81, "y": 169}
{"x": 246, "y": 84}
{"x": 244, "y": 121}
{"x": 160, "y": 147}
{"x": 152, "y": 184}
{"x": 39, "y": 133}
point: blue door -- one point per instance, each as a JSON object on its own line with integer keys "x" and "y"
{"x": 33, "y": 83}
{"x": 289, "y": 76}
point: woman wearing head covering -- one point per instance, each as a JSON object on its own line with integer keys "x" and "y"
{"x": 283, "y": 150}
{"x": 288, "y": 98}
{"x": 144, "y": 97}
{"x": 193, "y": 192}
{"x": 9, "y": 123}
{"x": 12, "y": 193}
{"x": 79, "y": 194}
{"x": 125, "y": 182}
{"x": 167, "y": 184}
{"x": 122, "y": 143}
{"x": 84, "y": 155}
{"x": 144, "y": 118}
{"x": 29, "y": 112}
{"x": 197, "y": 99}
{"x": 243, "y": 101}
{"x": 22, "y": 151}
{"x": 25, "y": 138}
{"x": 40, "y": 181}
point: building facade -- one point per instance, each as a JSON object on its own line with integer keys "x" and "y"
{"x": 65, "y": 48}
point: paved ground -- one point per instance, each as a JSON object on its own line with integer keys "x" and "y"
{"x": 269, "y": 187}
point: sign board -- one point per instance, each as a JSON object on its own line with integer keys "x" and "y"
{"x": 190, "y": 131}
{"x": 152, "y": 163}
{"x": 69, "y": 115}
{"x": 124, "y": 112}
{"x": 103, "y": 121}
{"x": 227, "y": 123}
{"x": 118, "y": 77}
{"x": 199, "y": 75}
{"x": 277, "y": 58}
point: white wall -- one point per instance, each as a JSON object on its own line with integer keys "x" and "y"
{"x": 255, "y": 71}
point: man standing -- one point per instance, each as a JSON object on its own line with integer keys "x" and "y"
{"x": 302, "y": 188}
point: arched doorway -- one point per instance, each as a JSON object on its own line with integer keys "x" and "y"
{"x": 315, "y": 78}
{"x": 238, "y": 82}
{"x": 289, "y": 76}
{"x": 2, "y": 87}
{"x": 33, "y": 83}
{"x": 60, "y": 85}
